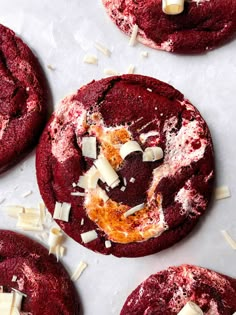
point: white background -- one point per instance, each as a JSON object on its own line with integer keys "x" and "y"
{"x": 61, "y": 32}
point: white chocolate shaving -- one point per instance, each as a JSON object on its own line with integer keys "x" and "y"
{"x": 144, "y": 54}
{"x": 6, "y": 303}
{"x": 129, "y": 147}
{"x": 110, "y": 72}
{"x": 17, "y": 300}
{"x": 27, "y": 193}
{"x": 62, "y": 211}
{"x": 29, "y": 221}
{"x": 108, "y": 173}
{"x": 191, "y": 309}
{"x": 77, "y": 193}
{"x": 229, "y": 239}
{"x": 133, "y": 35}
{"x": 102, "y": 49}
{"x": 83, "y": 182}
{"x": 152, "y": 154}
{"x": 78, "y": 271}
{"x": 89, "y": 236}
{"x": 131, "y": 69}
{"x": 172, "y": 7}
{"x": 89, "y": 147}
{"x": 42, "y": 210}
{"x": 90, "y": 59}
{"x": 102, "y": 194}
{"x": 13, "y": 211}
{"x": 93, "y": 177}
{"x": 134, "y": 209}
{"x": 222, "y": 192}
{"x": 55, "y": 237}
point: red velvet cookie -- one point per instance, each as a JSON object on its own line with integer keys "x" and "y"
{"x": 22, "y": 99}
{"x": 172, "y": 192}
{"x": 203, "y": 25}
{"x": 39, "y": 276}
{"x": 168, "y": 291}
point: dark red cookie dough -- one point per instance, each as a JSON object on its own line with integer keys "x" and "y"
{"x": 46, "y": 283}
{"x": 176, "y": 189}
{"x": 168, "y": 291}
{"x": 202, "y": 26}
{"x": 22, "y": 99}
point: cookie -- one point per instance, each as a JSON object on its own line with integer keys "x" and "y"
{"x": 202, "y": 26}
{"x": 22, "y": 99}
{"x": 168, "y": 291}
{"x": 25, "y": 266}
{"x": 145, "y": 206}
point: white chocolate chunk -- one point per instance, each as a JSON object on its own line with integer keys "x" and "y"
{"x": 89, "y": 236}
{"x": 222, "y": 192}
{"x": 89, "y": 147}
{"x": 172, "y": 7}
{"x": 134, "y": 209}
{"x": 229, "y": 239}
{"x": 107, "y": 244}
{"x": 129, "y": 147}
{"x": 78, "y": 271}
{"x": 191, "y": 309}
{"x": 133, "y": 35}
{"x": 123, "y": 188}
{"x": 82, "y": 221}
{"x": 90, "y": 59}
{"x": 14, "y": 278}
{"x": 105, "y": 168}
{"x": 102, "y": 49}
{"x": 152, "y": 154}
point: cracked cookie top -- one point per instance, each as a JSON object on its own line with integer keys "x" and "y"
{"x": 23, "y": 95}
{"x": 149, "y": 205}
